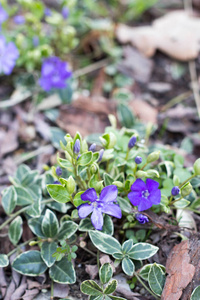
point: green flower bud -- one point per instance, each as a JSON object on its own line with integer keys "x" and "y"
{"x": 98, "y": 186}
{"x": 53, "y": 170}
{"x": 94, "y": 168}
{"x": 141, "y": 174}
{"x": 119, "y": 184}
{"x": 186, "y": 189}
{"x": 153, "y": 156}
{"x": 113, "y": 120}
{"x": 113, "y": 140}
{"x": 108, "y": 140}
{"x": 71, "y": 185}
{"x": 33, "y": 243}
{"x": 152, "y": 173}
{"x": 196, "y": 167}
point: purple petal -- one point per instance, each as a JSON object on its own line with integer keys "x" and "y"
{"x": 152, "y": 185}
{"x": 138, "y": 185}
{"x": 97, "y": 219}
{"x": 109, "y": 193}
{"x": 89, "y": 195}
{"x": 145, "y": 204}
{"x": 135, "y": 197}
{"x": 84, "y": 210}
{"x": 155, "y": 197}
{"x": 113, "y": 210}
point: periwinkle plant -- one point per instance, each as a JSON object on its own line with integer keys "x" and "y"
{"x": 103, "y": 192}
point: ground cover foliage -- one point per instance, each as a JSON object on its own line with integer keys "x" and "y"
{"x": 93, "y": 206}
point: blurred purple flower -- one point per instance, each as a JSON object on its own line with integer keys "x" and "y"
{"x": 132, "y": 142}
{"x": 65, "y": 12}
{"x": 19, "y": 19}
{"x": 175, "y": 191}
{"x": 35, "y": 41}
{"x": 144, "y": 195}
{"x": 77, "y": 147}
{"x": 138, "y": 160}
{"x": 92, "y": 147}
{"x": 3, "y": 14}
{"x": 47, "y": 12}
{"x": 98, "y": 206}
{"x": 54, "y": 73}
{"x": 101, "y": 152}
{"x": 142, "y": 219}
{"x": 58, "y": 171}
{"x": 8, "y": 56}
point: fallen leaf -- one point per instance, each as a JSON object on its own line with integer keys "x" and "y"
{"x": 30, "y": 294}
{"x": 61, "y": 290}
{"x": 123, "y": 288}
{"x": 9, "y": 142}
{"x": 92, "y": 270}
{"x": 177, "y": 34}
{"x": 144, "y": 111}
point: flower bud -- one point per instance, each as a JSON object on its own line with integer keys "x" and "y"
{"x": 138, "y": 160}
{"x": 71, "y": 185}
{"x": 132, "y": 142}
{"x": 142, "y": 219}
{"x": 94, "y": 168}
{"x": 186, "y": 189}
{"x": 92, "y": 147}
{"x": 33, "y": 243}
{"x": 65, "y": 12}
{"x": 77, "y": 146}
{"x": 196, "y": 167}
{"x": 58, "y": 171}
{"x": 140, "y": 174}
{"x": 101, "y": 152}
{"x": 175, "y": 191}
{"x": 119, "y": 184}
{"x": 153, "y": 156}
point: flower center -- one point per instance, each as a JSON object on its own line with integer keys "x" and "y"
{"x": 145, "y": 194}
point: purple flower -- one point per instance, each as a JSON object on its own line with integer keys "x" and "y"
{"x": 77, "y": 146}
{"x": 132, "y": 142}
{"x": 175, "y": 191}
{"x": 58, "y": 171}
{"x": 3, "y": 14}
{"x": 92, "y": 147}
{"x": 8, "y": 56}
{"x": 47, "y": 12}
{"x": 142, "y": 219}
{"x": 65, "y": 12}
{"x": 35, "y": 41}
{"x": 54, "y": 73}
{"x": 144, "y": 195}
{"x": 98, "y": 206}
{"x": 101, "y": 152}
{"x": 56, "y": 182}
{"x": 138, "y": 160}
{"x": 19, "y": 19}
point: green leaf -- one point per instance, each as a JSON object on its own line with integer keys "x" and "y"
{"x": 90, "y": 287}
{"x": 21, "y": 171}
{"x": 156, "y": 279}
{"x": 127, "y": 246}
{"x": 15, "y": 230}
{"x": 128, "y": 266}
{"x": 118, "y": 255}
{"x": 116, "y": 298}
{"x": 125, "y": 116}
{"x": 85, "y": 159}
{"x": 105, "y": 273}
{"x": 61, "y": 207}
{"x": 35, "y": 226}
{"x": 29, "y": 178}
{"x": 182, "y": 203}
{"x": 64, "y": 163}
{"x": 9, "y": 200}
{"x": 111, "y": 287}
{"x": 29, "y": 263}
{"x": 85, "y": 225}
{"x": 196, "y": 293}
{"x": 105, "y": 242}
{"x": 108, "y": 226}
{"x": 23, "y": 197}
{"x": 58, "y": 193}
{"x": 101, "y": 297}
{"x": 77, "y": 199}
{"x": 63, "y": 272}
{"x": 57, "y": 135}
{"x": 50, "y": 224}
{"x": 124, "y": 204}
{"x": 47, "y": 250}
{"x": 142, "y": 251}
{"x": 4, "y": 261}
{"x": 67, "y": 229}
{"x": 35, "y": 209}
{"x": 144, "y": 272}
{"x": 108, "y": 180}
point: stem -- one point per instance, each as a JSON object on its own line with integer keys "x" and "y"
{"x": 21, "y": 245}
{"x": 144, "y": 285}
{"x": 194, "y": 210}
{"x": 144, "y": 166}
{"x": 52, "y": 289}
{"x": 182, "y": 184}
{"x": 98, "y": 262}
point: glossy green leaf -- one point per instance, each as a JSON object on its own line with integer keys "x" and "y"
{"x": 15, "y": 230}
{"x": 4, "y": 261}
{"x": 90, "y": 287}
{"x": 196, "y": 293}
{"x": 118, "y": 255}
{"x": 67, "y": 229}
{"x": 77, "y": 199}
{"x": 58, "y": 193}
{"x": 9, "y": 199}
{"x": 144, "y": 272}
{"x": 156, "y": 279}
{"x": 111, "y": 287}
{"x": 23, "y": 197}
{"x": 108, "y": 226}
{"x": 29, "y": 263}
{"x": 35, "y": 209}
{"x": 128, "y": 266}
{"x": 22, "y": 170}
{"x": 47, "y": 250}
{"x": 142, "y": 251}
{"x": 105, "y": 242}
{"x": 127, "y": 246}
{"x": 85, "y": 158}
{"x": 125, "y": 115}
{"x": 105, "y": 273}
{"x": 108, "y": 180}
{"x": 50, "y": 224}
{"x": 124, "y": 204}
{"x": 182, "y": 203}
{"x": 116, "y": 298}
{"x": 63, "y": 272}
{"x": 85, "y": 225}
{"x": 35, "y": 226}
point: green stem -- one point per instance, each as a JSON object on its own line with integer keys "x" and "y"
{"x": 182, "y": 184}
{"x": 52, "y": 289}
{"x": 21, "y": 245}
{"x": 194, "y": 210}
{"x": 144, "y": 166}
{"x": 144, "y": 285}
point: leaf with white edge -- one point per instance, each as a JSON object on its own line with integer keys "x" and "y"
{"x": 77, "y": 199}
{"x": 85, "y": 159}
{"x": 4, "y": 261}
{"x": 144, "y": 271}
{"x": 118, "y": 255}
{"x": 15, "y": 230}
{"x": 108, "y": 226}
{"x": 142, "y": 251}
{"x": 156, "y": 279}
{"x": 21, "y": 171}
{"x": 61, "y": 207}
{"x": 34, "y": 210}
{"x": 58, "y": 193}
{"x": 182, "y": 203}
{"x": 29, "y": 178}
{"x": 128, "y": 266}
{"x": 63, "y": 272}
{"x": 196, "y": 293}
{"x": 64, "y": 163}
{"x": 104, "y": 242}
{"x": 35, "y": 226}
{"x": 9, "y": 200}
{"x": 67, "y": 229}
{"x": 111, "y": 287}
{"x": 101, "y": 297}
{"x": 124, "y": 204}
{"x": 127, "y": 246}
{"x": 23, "y": 197}
{"x": 85, "y": 225}
{"x": 47, "y": 250}
{"x": 29, "y": 263}
{"x": 90, "y": 287}
{"x": 116, "y": 298}
{"x": 105, "y": 273}
{"x": 50, "y": 224}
